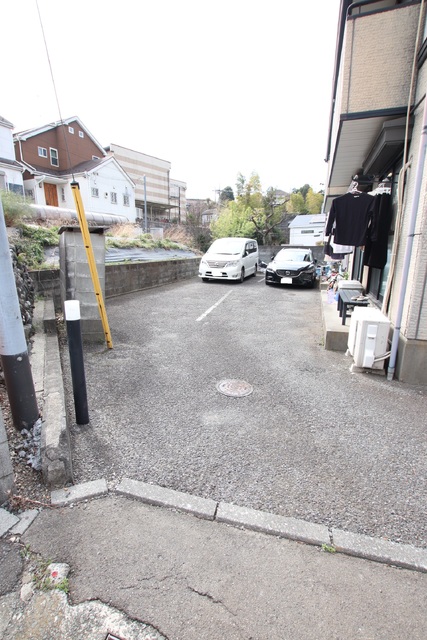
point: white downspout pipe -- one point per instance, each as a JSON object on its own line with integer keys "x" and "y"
{"x": 410, "y": 241}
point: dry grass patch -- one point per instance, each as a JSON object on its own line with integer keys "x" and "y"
{"x": 127, "y": 230}
{"x": 178, "y": 234}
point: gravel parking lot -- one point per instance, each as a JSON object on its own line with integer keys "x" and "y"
{"x": 312, "y": 440}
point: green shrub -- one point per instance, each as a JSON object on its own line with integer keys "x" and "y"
{"x": 31, "y": 243}
{"x": 15, "y": 208}
{"x": 46, "y": 236}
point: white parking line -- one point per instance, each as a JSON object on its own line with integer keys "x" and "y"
{"x": 213, "y": 307}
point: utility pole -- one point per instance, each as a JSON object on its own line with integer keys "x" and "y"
{"x": 13, "y": 345}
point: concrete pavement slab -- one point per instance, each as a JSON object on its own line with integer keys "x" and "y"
{"x": 25, "y": 519}
{"x": 195, "y": 579}
{"x": 7, "y": 521}
{"x": 50, "y": 616}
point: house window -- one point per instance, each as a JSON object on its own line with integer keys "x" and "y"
{"x": 16, "y": 188}
{"x": 54, "y": 157}
{"x": 307, "y": 230}
{"x": 81, "y": 134}
{"x": 126, "y": 201}
{"x": 113, "y": 197}
{"x": 95, "y": 192}
{"x": 71, "y": 130}
{"x": 42, "y": 152}
{"x": 29, "y": 193}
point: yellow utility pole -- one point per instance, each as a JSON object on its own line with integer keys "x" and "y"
{"x": 91, "y": 260}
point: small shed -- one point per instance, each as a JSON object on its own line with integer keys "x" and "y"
{"x": 307, "y": 230}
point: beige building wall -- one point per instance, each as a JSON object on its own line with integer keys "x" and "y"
{"x": 414, "y": 319}
{"x": 370, "y": 80}
{"x": 136, "y": 165}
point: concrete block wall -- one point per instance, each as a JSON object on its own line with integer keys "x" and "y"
{"x": 122, "y": 278}
{"x": 135, "y": 276}
{"x": 46, "y": 284}
{"x": 75, "y": 277}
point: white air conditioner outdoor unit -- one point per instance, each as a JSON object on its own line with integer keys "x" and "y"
{"x": 368, "y": 337}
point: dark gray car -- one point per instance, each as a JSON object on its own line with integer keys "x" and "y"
{"x": 292, "y": 266}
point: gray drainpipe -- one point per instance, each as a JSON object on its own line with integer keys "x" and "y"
{"x": 408, "y": 251}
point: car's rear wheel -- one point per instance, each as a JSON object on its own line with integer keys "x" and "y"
{"x": 255, "y": 270}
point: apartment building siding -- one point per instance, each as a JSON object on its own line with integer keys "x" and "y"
{"x": 371, "y": 81}
{"x": 414, "y": 320}
{"x": 367, "y": 137}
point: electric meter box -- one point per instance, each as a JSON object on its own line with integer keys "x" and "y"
{"x": 368, "y": 337}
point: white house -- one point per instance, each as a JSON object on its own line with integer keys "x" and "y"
{"x": 307, "y": 230}
{"x": 105, "y": 188}
{"x": 10, "y": 170}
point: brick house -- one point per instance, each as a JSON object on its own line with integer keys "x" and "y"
{"x": 377, "y": 133}
{"x": 58, "y": 153}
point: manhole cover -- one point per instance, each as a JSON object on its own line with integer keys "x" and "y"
{"x": 234, "y": 388}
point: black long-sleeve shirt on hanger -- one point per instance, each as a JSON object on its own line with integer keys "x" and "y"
{"x": 377, "y": 242}
{"x": 349, "y": 218}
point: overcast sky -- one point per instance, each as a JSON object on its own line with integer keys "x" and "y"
{"x": 216, "y": 88}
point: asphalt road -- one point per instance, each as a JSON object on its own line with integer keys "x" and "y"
{"x": 312, "y": 440}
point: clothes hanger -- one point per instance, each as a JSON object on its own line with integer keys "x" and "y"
{"x": 354, "y": 187}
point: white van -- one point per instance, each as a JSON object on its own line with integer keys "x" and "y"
{"x": 229, "y": 259}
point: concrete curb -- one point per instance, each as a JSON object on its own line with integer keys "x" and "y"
{"x": 281, "y": 526}
{"x": 159, "y": 496}
{"x": 79, "y": 492}
{"x": 48, "y": 381}
{"x": 335, "y": 333}
{"x": 334, "y": 540}
{"x": 56, "y": 449}
{"x": 377, "y": 550}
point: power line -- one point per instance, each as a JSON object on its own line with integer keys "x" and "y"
{"x": 54, "y": 88}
